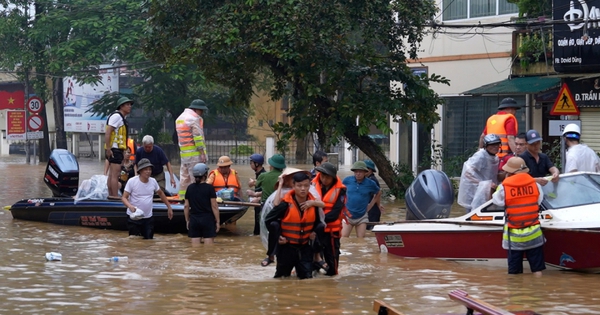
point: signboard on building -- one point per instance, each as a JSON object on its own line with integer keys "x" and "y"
{"x": 576, "y": 42}
{"x": 586, "y": 91}
{"x": 15, "y": 125}
{"x": 78, "y": 99}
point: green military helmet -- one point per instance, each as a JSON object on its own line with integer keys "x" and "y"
{"x": 122, "y": 101}
{"x": 198, "y": 104}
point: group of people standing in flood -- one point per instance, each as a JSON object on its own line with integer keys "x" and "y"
{"x": 305, "y": 212}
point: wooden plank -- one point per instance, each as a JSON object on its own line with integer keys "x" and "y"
{"x": 476, "y": 304}
{"x": 383, "y": 309}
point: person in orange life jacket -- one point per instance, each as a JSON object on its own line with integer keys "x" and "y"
{"x": 333, "y": 195}
{"x": 115, "y": 139}
{"x": 539, "y": 164}
{"x": 256, "y": 163}
{"x": 520, "y": 147}
{"x": 225, "y": 177}
{"x": 377, "y": 210}
{"x": 505, "y": 125}
{"x": 272, "y": 231}
{"x": 522, "y": 232}
{"x": 301, "y": 224}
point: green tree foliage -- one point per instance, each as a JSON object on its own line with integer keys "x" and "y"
{"x": 337, "y": 59}
{"x": 533, "y": 8}
{"x": 57, "y": 38}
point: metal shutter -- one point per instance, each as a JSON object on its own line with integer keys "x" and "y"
{"x": 590, "y": 128}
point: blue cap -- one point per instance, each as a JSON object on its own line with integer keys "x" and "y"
{"x": 371, "y": 165}
{"x": 533, "y": 136}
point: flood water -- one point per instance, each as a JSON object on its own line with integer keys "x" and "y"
{"x": 169, "y": 276}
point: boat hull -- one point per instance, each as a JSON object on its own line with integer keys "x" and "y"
{"x": 455, "y": 242}
{"x": 575, "y": 249}
{"x": 107, "y": 214}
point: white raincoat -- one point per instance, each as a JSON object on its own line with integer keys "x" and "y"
{"x": 480, "y": 167}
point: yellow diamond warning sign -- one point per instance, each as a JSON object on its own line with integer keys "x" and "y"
{"x": 565, "y": 103}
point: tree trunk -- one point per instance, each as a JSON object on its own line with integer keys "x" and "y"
{"x": 57, "y": 96}
{"x": 373, "y": 151}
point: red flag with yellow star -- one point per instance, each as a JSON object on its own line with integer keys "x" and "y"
{"x": 12, "y": 96}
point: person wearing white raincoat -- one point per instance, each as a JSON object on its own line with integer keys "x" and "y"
{"x": 479, "y": 174}
{"x": 192, "y": 149}
{"x": 580, "y": 157}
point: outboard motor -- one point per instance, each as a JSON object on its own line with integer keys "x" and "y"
{"x": 430, "y": 196}
{"x": 62, "y": 173}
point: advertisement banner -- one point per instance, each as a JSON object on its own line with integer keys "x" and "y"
{"x": 576, "y": 38}
{"x": 15, "y": 125}
{"x": 78, "y": 99}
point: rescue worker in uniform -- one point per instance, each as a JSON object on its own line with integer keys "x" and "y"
{"x": 504, "y": 124}
{"x": 522, "y": 232}
{"x": 225, "y": 178}
{"x": 115, "y": 139}
{"x": 192, "y": 149}
{"x": 580, "y": 157}
{"x": 301, "y": 225}
{"x": 333, "y": 194}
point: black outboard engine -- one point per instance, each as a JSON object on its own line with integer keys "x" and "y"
{"x": 62, "y": 173}
{"x": 430, "y": 196}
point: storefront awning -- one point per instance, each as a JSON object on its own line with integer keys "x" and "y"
{"x": 524, "y": 85}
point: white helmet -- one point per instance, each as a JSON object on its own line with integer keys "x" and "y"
{"x": 200, "y": 170}
{"x": 572, "y": 131}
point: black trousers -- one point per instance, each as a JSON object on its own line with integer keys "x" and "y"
{"x": 143, "y": 227}
{"x": 294, "y": 256}
{"x": 331, "y": 251}
{"x": 273, "y": 241}
{"x": 257, "y": 211}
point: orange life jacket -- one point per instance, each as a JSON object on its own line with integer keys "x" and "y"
{"x": 231, "y": 182}
{"x": 495, "y": 124}
{"x": 521, "y": 199}
{"x": 297, "y": 225}
{"x": 329, "y": 200}
{"x": 131, "y": 146}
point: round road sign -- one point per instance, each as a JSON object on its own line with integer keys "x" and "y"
{"x": 35, "y": 104}
{"x": 35, "y": 123}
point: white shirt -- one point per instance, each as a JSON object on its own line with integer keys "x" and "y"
{"x": 581, "y": 158}
{"x": 115, "y": 120}
{"x": 141, "y": 194}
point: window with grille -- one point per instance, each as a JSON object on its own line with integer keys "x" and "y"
{"x": 466, "y": 9}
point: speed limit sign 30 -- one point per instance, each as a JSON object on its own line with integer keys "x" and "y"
{"x": 35, "y": 104}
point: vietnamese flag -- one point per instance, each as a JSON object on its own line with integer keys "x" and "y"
{"x": 12, "y": 96}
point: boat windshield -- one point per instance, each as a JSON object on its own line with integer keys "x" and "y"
{"x": 573, "y": 191}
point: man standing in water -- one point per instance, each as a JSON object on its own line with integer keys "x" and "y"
{"x": 300, "y": 225}
{"x": 190, "y": 132}
{"x": 522, "y": 232}
{"x": 115, "y": 139}
{"x": 362, "y": 195}
{"x": 333, "y": 194}
{"x": 138, "y": 198}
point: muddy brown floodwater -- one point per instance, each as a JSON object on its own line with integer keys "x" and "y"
{"x": 169, "y": 276}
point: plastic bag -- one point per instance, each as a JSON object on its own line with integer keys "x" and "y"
{"x": 95, "y": 188}
{"x": 482, "y": 194}
{"x": 227, "y": 194}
